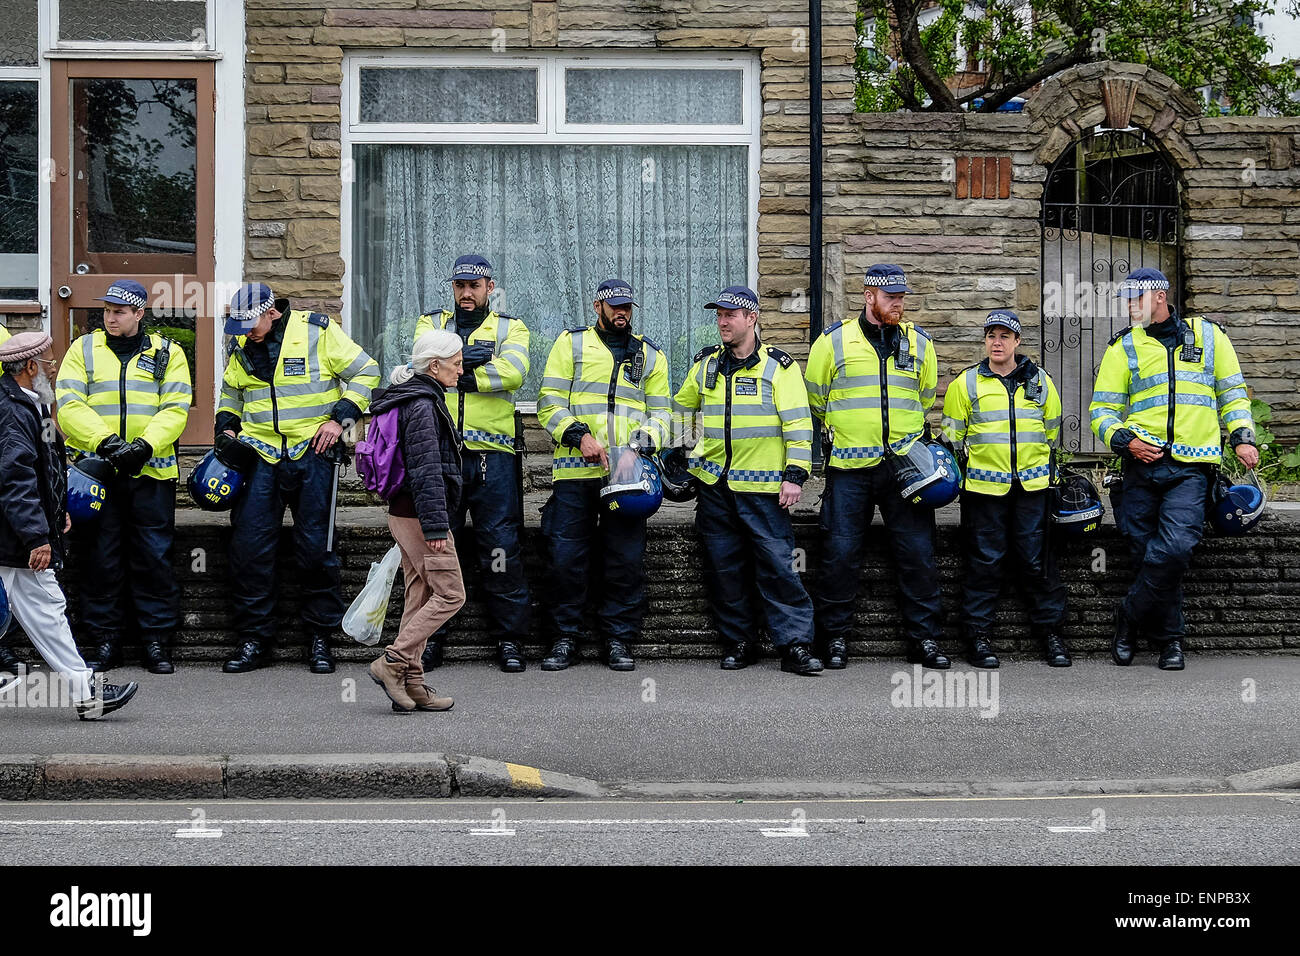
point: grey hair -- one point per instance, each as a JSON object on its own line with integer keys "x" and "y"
{"x": 14, "y": 367}
{"x": 434, "y": 344}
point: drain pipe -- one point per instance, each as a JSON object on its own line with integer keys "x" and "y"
{"x": 815, "y": 189}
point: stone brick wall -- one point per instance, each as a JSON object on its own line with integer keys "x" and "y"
{"x": 295, "y": 52}
{"x": 898, "y": 195}
{"x": 1240, "y": 592}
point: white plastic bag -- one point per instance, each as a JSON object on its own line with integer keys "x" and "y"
{"x": 364, "y": 621}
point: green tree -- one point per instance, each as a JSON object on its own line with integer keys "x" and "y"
{"x": 1021, "y": 43}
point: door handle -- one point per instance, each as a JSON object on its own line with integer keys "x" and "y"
{"x": 65, "y": 292}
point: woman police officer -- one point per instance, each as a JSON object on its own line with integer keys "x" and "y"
{"x": 1006, "y": 411}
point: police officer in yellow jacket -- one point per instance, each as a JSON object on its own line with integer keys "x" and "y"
{"x": 293, "y": 382}
{"x": 605, "y": 394}
{"x": 124, "y": 395}
{"x": 871, "y": 381}
{"x": 1163, "y": 385}
{"x": 483, "y": 406}
{"x": 1006, "y": 412}
{"x": 753, "y": 455}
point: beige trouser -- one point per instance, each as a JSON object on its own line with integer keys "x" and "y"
{"x": 434, "y": 592}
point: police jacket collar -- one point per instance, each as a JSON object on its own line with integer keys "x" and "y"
{"x": 729, "y": 363}
{"x": 466, "y": 322}
{"x": 127, "y": 346}
{"x": 883, "y": 337}
{"x": 1168, "y": 332}
{"x": 1024, "y": 371}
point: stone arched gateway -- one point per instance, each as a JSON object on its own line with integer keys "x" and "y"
{"x": 1111, "y": 203}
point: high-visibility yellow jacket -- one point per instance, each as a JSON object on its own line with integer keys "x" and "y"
{"x": 4, "y": 335}
{"x": 582, "y": 384}
{"x": 1174, "y": 397}
{"x": 486, "y": 418}
{"x": 99, "y": 396}
{"x": 318, "y": 365}
{"x": 754, "y": 423}
{"x": 1005, "y": 440}
{"x": 844, "y": 377}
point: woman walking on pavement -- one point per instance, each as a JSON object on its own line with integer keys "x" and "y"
{"x": 417, "y": 515}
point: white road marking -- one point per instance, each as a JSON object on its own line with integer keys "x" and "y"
{"x": 1074, "y": 830}
{"x": 197, "y": 833}
{"x": 491, "y": 831}
{"x": 783, "y": 832}
{"x": 543, "y": 821}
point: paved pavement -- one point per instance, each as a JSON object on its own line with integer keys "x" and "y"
{"x": 1215, "y": 829}
{"x": 688, "y": 722}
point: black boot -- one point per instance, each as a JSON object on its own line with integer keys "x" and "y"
{"x": 251, "y": 656}
{"x": 510, "y": 656}
{"x": 563, "y": 653}
{"x": 107, "y": 655}
{"x": 9, "y": 662}
{"x": 1171, "y": 656}
{"x": 1124, "y": 641}
{"x": 797, "y": 659}
{"x": 837, "y": 654}
{"x": 737, "y": 656}
{"x": 927, "y": 652}
{"x": 156, "y": 658}
{"x": 979, "y": 652}
{"x": 319, "y": 658}
{"x": 617, "y": 656}
{"x": 432, "y": 656}
{"x": 1054, "y": 650}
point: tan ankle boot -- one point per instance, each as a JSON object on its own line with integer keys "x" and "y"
{"x": 426, "y": 698}
{"x": 390, "y": 674}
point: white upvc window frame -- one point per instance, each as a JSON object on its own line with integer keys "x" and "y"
{"x": 439, "y": 132}
{"x": 551, "y": 127}
{"x": 35, "y": 75}
{"x": 200, "y": 47}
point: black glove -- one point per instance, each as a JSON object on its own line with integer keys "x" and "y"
{"x": 572, "y": 436}
{"x": 132, "y": 458}
{"x": 476, "y": 355}
{"x": 111, "y": 447}
{"x": 466, "y": 383}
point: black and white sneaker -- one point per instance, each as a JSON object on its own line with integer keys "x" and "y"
{"x": 10, "y": 679}
{"x": 104, "y": 699}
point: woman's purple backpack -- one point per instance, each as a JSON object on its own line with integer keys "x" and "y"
{"x": 379, "y": 456}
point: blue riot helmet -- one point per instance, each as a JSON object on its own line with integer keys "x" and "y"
{"x": 1076, "y": 505}
{"x": 220, "y": 475}
{"x": 674, "y": 473}
{"x": 927, "y": 474}
{"x": 634, "y": 487}
{"x": 1235, "y": 509}
{"x": 88, "y": 483}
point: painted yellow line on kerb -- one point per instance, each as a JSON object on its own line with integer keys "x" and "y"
{"x": 522, "y": 776}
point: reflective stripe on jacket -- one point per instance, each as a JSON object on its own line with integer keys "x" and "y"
{"x": 845, "y": 375}
{"x": 582, "y": 384}
{"x": 318, "y": 365}
{"x": 1004, "y": 441}
{"x": 100, "y": 395}
{"x": 1168, "y": 398}
{"x": 754, "y": 422}
{"x": 486, "y": 418}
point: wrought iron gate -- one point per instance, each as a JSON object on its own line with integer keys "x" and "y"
{"x": 1110, "y": 205}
